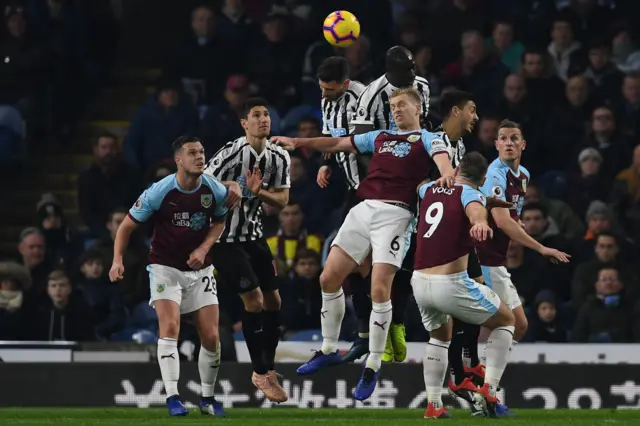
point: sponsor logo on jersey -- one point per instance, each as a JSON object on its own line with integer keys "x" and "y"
{"x": 206, "y": 200}
{"x": 198, "y": 221}
{"x": 413, "y": 138}
{"x": 438, "y": 144}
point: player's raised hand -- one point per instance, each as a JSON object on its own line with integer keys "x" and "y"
{"x": 287, "y": 143}
{"x": 493, "y": 202}
{"x": 555, "y": 256}
{"x": 481, "y": 231}
{"x": 254, "y": 181}
{"x": 234, "y": 196}
{"x": 446, "y": 181}
{"x": 324, "y": 174}
{"x": 196, "y": 259}
{"x": 116, "y": 273}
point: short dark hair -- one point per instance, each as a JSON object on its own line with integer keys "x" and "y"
{"x": 294, "y": 202}
{"x": 609, "y": 235}
{"x": 334, "y": 68}
{"x": 306, "y": 253}
{"x": 454, "y": 98}
{"x": 104, "y": 134}
{"x": 535, "y": 207}
{"x": 117, "y": 210}
{"x": 250, "y": 104}
{"x": 509, "y": 124}
{"x": 177, "y": 144}
{"x": 311, "y": 119}
{"x": 473, "y": 167}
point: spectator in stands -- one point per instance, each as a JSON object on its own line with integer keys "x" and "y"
{"x": 423, "y": 55}
{"x": 543, "y": 85}
{"x": 503, "y": 44}
{"x": 220, "y": 124}
{"x": 199, "y": 59}
{"x": 625, "y": 196}
{"x": 628, "y": 107}
{"x": 14, "y": 283}
{"x": 606, "y": 316}
{"x": 135, "y": 284}
{"x": 568, "y": 223}
{"x": 599, "y": 219}
{"x": 105, "y": 299}
{"x": 477, "y": 71}
{"x": 487, "y": 135}
{"x": 587, "y": 184}
{"x": 515, "y": 103}
{"x": 62, "y": 245}
{"x": 310, "y": 127}
{"x": 529, "y": 275}
{"x": 545, "y": 327}
{"x": 64, "y": 315}
{"x": 107, "y": 184}
{"x": 166, "y": 115}
{"x": 292, "y": 236}
{"x": 607, "y": 255}
{"x": 234, "y": 24}
{"x": 159, "y": 171}
{"x": 602, "y": 72}
{"x": 543, "y": 228}
{"x": 614, "y": 147}
{"x": 301, "y": 296}
{"x": 566, "y": 52}
{"x": 32, "y": 248}
{"x": 361, "y": 67}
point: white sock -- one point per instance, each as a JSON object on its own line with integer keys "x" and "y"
{"x": 498, "y": 352}
{"x": 434, "y": 368}
{"x": 331, "y": 316}
{"x": 169, "y": 361}
{"x": 379, "y": 323}
{"x": 208, "y": 366}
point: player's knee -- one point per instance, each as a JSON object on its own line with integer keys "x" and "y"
{"x": 169, "y": 328}
{"x": 329, "y": 281}
{"x": 521, "y": 325}
{"x": 253, "y": 300}
{"x": 210, "y": 338}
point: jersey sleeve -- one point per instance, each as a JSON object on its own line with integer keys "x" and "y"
{"x": 470, "y": 195}
{"x": 423, "y": 189}
{"x": 148, "y": 203}
{"x": 216, "y": 166}
{"x": 283, "y": 172}
{"x": 367, "y": 108}
{"x": 434, "y": 143}
{"x": 365, "y": 142}
{"x": 220, "y": 193}
{"x": 495, "y": 184}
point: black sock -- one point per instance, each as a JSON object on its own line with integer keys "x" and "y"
{"x": 470, "y": 345}
{"x": 400, "y": 292}
{"x": 361, "y": 301}
{"x": 271, "y": 324}
{"x": 254, "y": 337}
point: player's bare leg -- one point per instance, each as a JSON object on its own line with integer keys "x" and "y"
{"x": 168, "y": 313}
{"x": 360, "y": 283}
{"x": 381, "y": 280}
{"x": 271, "y": 330}
{"x": 254, "y": 336}
{"x": 434, "y": 368}
{"x": 338, "y": 266}
{"x": 206, "y": 320}
{"x": 498, "y": 350}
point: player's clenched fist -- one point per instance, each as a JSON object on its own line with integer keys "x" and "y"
{"x": 197, "y": 258}
{"x": 116, "y": 273}
{"x": 481, "y": 231}
{"x": 324, "y": 174}
{"x": 234, "y": 196}
{"x": 289, "y": 144}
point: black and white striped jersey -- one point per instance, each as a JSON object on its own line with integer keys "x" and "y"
{"x": 336, "y": 121}
{"x": 231, "y": 163}
{"x": 373, "y": 105}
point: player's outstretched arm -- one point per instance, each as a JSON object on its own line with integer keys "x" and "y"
{"x": 446, "y": 170}
{"x": 518, "y": 234}
{"x": 477, "y": 214}
{"x": 322, "y": 144}
{"x": 123, "y": 235}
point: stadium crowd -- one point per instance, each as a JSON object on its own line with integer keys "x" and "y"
{"x": 567, "y": 70}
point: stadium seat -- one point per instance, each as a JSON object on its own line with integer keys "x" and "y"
{"x": 306, "y": 336}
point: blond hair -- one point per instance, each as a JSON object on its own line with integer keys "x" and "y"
{"x": 409, "y": 91}
{"x": 58, "y": 275}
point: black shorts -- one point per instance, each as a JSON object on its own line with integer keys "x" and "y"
{"x": 351, "y": 202}
{"x": 246, "y": 266}
{"x": 473, "y": 268}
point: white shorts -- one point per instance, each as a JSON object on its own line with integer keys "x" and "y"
{"x": 498, "y": 279}
{"x": 440, "y": 297}
{"x": 191, "y": 290}
{"x": 378, "y": 228}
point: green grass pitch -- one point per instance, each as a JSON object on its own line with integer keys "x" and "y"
{"x": 298, "y": 417}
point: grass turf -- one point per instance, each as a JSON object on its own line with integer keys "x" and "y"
{"x": 299, "y": 417}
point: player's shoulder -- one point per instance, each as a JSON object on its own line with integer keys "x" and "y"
{"x": 231, "y": 147}
{"x": 524, "y": 170}
{"x": 277, "y": 149}
{"x": 469, "y": 194}
{"x": 356, "y": 87}
{"x": 421, "y": 81}
{"x": 162, "y": 187}
{"x": 497, "y": 168}
{"x": 211, "y": 182}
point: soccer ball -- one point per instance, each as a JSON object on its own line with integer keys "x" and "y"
{"x": 341, "y": 28}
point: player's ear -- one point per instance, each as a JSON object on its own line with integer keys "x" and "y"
{"x": 243, "y": 123}
{"x": 524, "y": 144}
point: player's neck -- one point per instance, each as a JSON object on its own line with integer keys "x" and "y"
{"x": 464, "y": 181}
{"x": 410, "y": 128}
{"x": 257, "y": 143}
{"x": 452, "y": 130}
{"x": 186, "y": 181}
{"x": 513, "y": 164}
